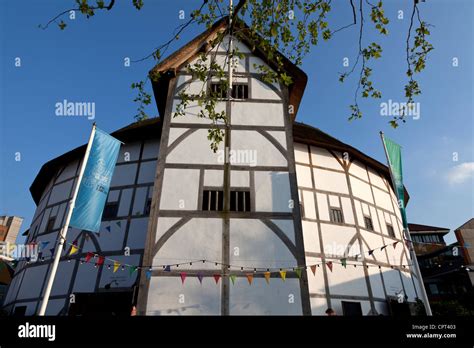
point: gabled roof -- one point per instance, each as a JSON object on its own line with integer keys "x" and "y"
{"x": 467, "y": 225}
{"x": 201, "y": 43}
{"x": 421, "y": 229}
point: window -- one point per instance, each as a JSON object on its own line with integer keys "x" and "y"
{"x": 239, "y": 91}
{"x": 336, "y": 215}
{"x": 240, "y": 201}
{"x": 110, "y": 210}
{"x": 50, "y": 225}
{"x": 148, "y": 206}
{"x": 390, "y": 231}
{"x": 368, "y": 223}
{"x": 351, "y": 309}
{"x": 213, "y": 200}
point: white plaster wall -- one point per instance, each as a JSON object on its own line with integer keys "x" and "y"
{"x": 277, "y": 298}
{"x": 257, "y": 114}
{"x": 361, "y": 190}
{"x": 267, "y": 153}
{"x": 174, "y": 192}
{"x": 323, "y": 158}
{"x": 198, "y": 239}
{"x": 272, "y": 191}
{"x": 165, "y": 294}
{"x": 330, "y": 181}
{"x": 253, "y": 244}
{"x": 195, "y": 149}
{"x": 301, "y": 153}
{"x": 310, "y": 236}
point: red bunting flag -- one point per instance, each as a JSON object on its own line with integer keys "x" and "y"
{"x": 329, "y": 264}
{"x": 313, "y": 269}
{"x": 89, "y": 256}
{"x": 183, "y": 277}
{"x": 395, "y": 245}
{"x": 371, "y": 252}
{"x": 100, "y": 261}
{"x": 217, "y": 277}
{"x": 249, "y": 278}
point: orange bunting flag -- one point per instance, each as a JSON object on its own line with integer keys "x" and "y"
{"x": 313, "y": 269}
{"x": 217, "y": 277}
{"x": 267, "y": 277}
{"x": 250, "y": 278}
{"x": 116, "y": 266}
{"x": 283, "y": 275}
{"x": 329, "y": 264}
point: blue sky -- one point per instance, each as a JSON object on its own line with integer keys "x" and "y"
{"x": 85, "y": 63}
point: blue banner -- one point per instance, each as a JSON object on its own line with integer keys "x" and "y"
{"x": 95, "y": 183}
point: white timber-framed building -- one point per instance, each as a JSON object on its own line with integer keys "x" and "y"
{"x": 295, "y": 197}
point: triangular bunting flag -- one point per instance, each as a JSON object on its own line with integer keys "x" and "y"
{"x": 232, "y": 278}
{"x": 89, "y": 256}
{"x": 131, "y": 269}
{"x": 267, "y": 277}
{"x": 183, "y": 277}
{"x": 119, "y": 224}
{"x": 371, "y": 252}
{"x": 381, "y": 249}
{"x": 100, "y": 261}
{"x": 217, "y": 277}
{"x": 167, "y": 268}
{"x": 116, "y": 266}
{"x": 73, "y": 250}
{"x": 344, "y": 262}
{"x": 313, "y": 269}
{"x": 108, "y": 228}
{"x": 395, "y": 245}
{"x": 249, "y": 278}
{"x": 52, "y": 251}
{"x": 283, "y": 275}
{"x": 200, "y": 277}
{"x": 43, "y": 245}
{"x": 298, "y": 272}
{"x": 148, "y": 274}
{"x": 329, "y": 264}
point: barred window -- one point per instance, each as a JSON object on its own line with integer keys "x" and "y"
{"x": 240, "y": 201}
{"x": 368, "y": 223}
{"x": 239, "y": 91}
{"x": 336, "y": 215}
{"x": 390, "y": 231}
{"x": 213, "y": 200}
{"x": 110, "y": 210}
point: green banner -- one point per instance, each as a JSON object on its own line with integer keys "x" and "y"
{"x": 394, "y": 153}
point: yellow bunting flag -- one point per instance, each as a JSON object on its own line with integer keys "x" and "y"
{"x": 250, "y": 278}
{"x": 283, "y": 275}
{"x": 267, "y": 277}
{"x": 116, "y": 266}
{"x": 74, "y": 249}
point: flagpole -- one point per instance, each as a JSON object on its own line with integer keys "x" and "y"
{"x": 408, "y": 237}
{"x": 62, "y": 237}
